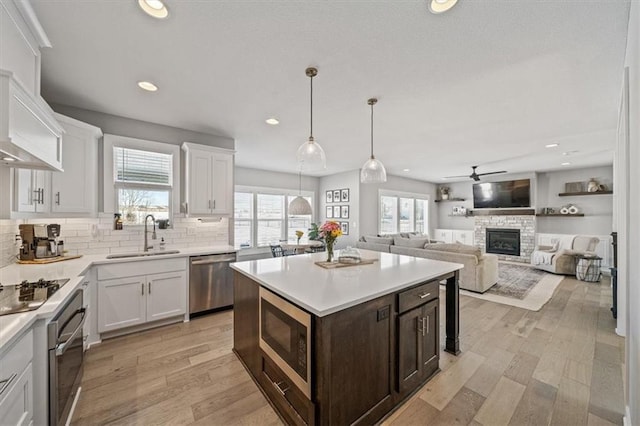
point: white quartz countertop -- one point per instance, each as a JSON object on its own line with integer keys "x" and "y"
{"x": 326, "y": 291}
{"x": 12, "y": 326}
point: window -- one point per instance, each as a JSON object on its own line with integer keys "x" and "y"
{"x": 403, "y": 212}
{"x": 261, "y": 217}
{"x": 141, "y": 178}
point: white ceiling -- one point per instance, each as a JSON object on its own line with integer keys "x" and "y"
{"x": 490, "y": 82}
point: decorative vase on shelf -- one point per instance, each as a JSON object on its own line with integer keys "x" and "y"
{"x": 593, "y": 185}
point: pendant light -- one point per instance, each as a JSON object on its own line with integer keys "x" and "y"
{"x": 299, "y": 205}
{"x": 310, "y": 154}
{"x": 373, "y": 171}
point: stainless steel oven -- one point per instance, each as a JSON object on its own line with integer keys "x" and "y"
{"x": 285, "y": 333}
{"x": 66, "y": 355}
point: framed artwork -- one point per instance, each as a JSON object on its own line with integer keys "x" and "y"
{"x": 336, "y": 196}
{"x": 329, "y": 196}
{"x": 329, "y": 212}
{"x": 344, "y": 195}
{"x": 344, "y": 212}
{"x": 345, "y": 228}
{"x": 336, "y": 212}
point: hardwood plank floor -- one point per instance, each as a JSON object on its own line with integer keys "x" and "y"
{"x": 561, "y": 365}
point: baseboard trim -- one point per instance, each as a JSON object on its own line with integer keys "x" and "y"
{"x": 620, "y": 332}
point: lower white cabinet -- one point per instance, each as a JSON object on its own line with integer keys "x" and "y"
{"x": 129, "y": 301}
{"x": 455, "y": 235}
{"x": 16, "y": 382}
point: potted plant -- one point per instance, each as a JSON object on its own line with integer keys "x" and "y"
{"x": 444, "y": 192}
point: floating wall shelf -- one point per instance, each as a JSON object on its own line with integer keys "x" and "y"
{"x": 571, "y": 194}
{"x": 449, "y": 199}
{"x": 560, "y": 215}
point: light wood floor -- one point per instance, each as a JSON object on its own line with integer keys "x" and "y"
{"x": 562, "y": 365}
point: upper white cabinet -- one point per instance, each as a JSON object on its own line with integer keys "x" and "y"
{"x": 74, "y": 190}
{"x": 29, "y": 132}
{"x": 208, "y": 180}
{"x": 70, "y": 191}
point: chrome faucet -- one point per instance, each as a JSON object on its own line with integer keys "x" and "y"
{"x": 153, "y": 236}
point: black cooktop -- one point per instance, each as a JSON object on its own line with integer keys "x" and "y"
{"x": 27, "y": 296}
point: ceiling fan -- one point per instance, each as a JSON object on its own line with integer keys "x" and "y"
{"x": 476, "y": 176}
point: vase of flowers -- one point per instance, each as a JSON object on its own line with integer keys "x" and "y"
{"x": 329, "y": 232}
{"x": 299, "y": 234}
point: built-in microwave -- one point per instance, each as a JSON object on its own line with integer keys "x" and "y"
{"x": 285, "y": 333}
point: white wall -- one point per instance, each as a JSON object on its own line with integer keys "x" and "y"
{"x": 598, "y": 209}
{"x": 369, "y": 201}
{"x": 632, "y": 347}
{"x": 347, "y": 180}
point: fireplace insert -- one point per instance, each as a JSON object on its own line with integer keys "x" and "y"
{"x": 503, "y": 241}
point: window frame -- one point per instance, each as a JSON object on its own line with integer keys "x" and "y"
{"x": 255, "y": 190}
{"x": 411, "y": 195}
{"x": 111, "y": 187}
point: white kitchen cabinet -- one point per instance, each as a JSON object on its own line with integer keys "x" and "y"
{"x": 208, "y": 180}
{"x": 444, "y": 235}
{"x": 90, "y": 299}
{"x": 16, "y": 382}
{"x": 74, "y": 190}
{"x": 71, "y": 191}
{"x": 135, "y": 293}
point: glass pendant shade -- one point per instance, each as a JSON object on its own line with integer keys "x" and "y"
{"x": 299, "y": 206}
{"x": 311, "y": 156}
{"x": 373, "y": 171}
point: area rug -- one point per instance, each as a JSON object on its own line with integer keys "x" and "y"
{"x": 521, "y": 286}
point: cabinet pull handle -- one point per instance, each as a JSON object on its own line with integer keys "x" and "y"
{"x": 6, "y": 382}
{"x": 142, "y": 288}
{"x": 214, "y": 204}
{"x": 36, "y": 199}
{"x": 149, "y": 287}
{"x": 282, "y": 391}
{"x": 420, "y": 325}
{"x": 209, "y": 205}
{"x": 58, "y": 198}
{"x": 424, "y": 295}
{"x": 425, "y": 326}
{"x": 41, "y": 197}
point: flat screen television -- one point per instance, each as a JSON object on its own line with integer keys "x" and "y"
{"x": 506, "y": 194}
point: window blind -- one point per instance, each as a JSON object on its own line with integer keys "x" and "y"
{"x": 136, "y": 166}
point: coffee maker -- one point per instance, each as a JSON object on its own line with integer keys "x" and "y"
{"x": 39, "y": 241}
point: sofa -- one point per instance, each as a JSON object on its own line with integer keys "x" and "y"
{"x": 480, "y": 270}
{"x": 559, "y": 258}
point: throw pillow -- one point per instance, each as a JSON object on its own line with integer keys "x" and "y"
{"x": 378, "y": 240}
{"x": 415, "y": 235}
{"x": 410, "y": 242}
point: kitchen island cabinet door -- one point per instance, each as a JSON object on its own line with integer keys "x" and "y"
{"x": 409, "y": 348}
{"x": 121, "y": 303}
{"x": 430, "y": 353}
{"x": 166, "y": 295}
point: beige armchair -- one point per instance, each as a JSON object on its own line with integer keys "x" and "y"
{"x": 559, "y": 258}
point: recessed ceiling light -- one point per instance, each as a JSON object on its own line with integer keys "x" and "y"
{"x": 552, "y": 145}
{"x": 148, "y": 86}
{"x": 155, "y": 8}
{"x": 441, "y": 6}
{"x": 405, "y": 170}
{"x": 272, "y": 121}
{"x": 565, "y": 164}
{"x": 8, "y": 159}
{"x": 569, "y": 152}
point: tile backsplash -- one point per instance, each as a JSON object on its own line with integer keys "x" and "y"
{"x": 97, "y": 236}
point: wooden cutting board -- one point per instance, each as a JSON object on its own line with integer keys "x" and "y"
{"x": 48, "y": 260}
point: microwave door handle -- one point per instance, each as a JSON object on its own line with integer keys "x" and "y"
{"x": 61, "y": 348}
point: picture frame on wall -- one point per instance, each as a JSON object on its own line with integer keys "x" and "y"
{"x": 336, "y": 195}
{"x": 329, "y": 212}
{"x": 344, "y": 195}
{"x": 345, "y": 228}
{"x": 329, "y": 196}
{"x": 336, "y": 212}
{"x": 344, "y": 212}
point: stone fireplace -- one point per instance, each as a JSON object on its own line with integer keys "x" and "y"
{"x": 524, "y": 224}
{"x": 502, "y": 241}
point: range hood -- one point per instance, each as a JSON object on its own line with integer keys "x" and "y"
{"x": 30, "y": 136}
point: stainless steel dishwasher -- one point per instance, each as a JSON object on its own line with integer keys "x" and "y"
{"x": 210, "y": 282}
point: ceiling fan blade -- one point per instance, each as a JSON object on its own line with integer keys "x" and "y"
{"x": 492, "y": 173}
{"x": 475, "y": 177}
{"x": 455, "y": 177}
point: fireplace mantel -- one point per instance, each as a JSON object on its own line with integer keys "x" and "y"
{"x": 502, "y": 212}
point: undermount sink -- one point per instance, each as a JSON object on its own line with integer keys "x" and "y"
{"x": 141, "y": 254}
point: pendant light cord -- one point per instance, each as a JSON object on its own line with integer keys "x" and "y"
{"x": 300, "y": 184}
{"x": 372, "y": 130}
{"x": 311, "y": 109}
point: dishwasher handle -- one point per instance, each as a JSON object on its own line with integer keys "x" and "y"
{"x": 213, "y": 259}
